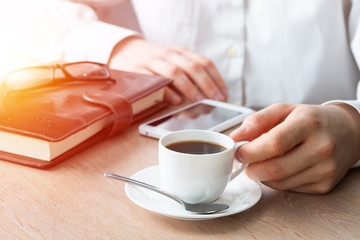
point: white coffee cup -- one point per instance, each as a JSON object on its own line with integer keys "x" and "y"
{"x": 198, "y": 178}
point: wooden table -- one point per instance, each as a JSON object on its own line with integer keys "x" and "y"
{"x": 73, "y": 200}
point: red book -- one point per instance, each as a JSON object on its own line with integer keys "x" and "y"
{"x": 43, "y": 126}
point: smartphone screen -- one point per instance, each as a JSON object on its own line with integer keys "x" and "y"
{"x": 201, "y": 116}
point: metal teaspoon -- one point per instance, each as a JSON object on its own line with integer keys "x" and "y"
{"x": 200, "y": 208}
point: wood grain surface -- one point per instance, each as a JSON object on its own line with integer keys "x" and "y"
{"x": 73, "y": 200}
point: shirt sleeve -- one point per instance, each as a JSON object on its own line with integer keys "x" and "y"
{"x": 53, "y": 30}
{"x": 354, "y": 36}
{"x": 354, "y": 31}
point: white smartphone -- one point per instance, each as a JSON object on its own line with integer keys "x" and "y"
{"x": 206, "y": 114}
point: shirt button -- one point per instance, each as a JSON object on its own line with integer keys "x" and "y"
{"x": 231, "y": 52}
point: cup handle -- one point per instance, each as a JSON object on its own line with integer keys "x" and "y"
{"x": 236, "y": 172}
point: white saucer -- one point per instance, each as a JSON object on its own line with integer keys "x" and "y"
{"x": 240, "y": 194}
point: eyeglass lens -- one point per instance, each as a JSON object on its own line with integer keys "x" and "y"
{"x": 28, "y": 78}
{"x": 87, "y": 71}
{"x": 37, "y": 76}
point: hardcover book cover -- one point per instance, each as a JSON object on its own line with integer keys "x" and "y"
{"x": 43, "y": 126}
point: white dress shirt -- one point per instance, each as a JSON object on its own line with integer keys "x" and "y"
{"x": 267, "y": 51}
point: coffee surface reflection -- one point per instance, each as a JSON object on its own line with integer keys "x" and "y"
{"x": 196, "y": 147}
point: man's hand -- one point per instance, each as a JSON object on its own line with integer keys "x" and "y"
{"x": 304, "y": 148}
{"x": 195, "y": 76}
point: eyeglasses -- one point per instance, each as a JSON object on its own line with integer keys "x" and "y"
{"x": 37, "y": 76}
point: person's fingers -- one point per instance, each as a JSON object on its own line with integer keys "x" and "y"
{"x": 318, "y": 179}
{"x": 306, "y": 168}
{"x": 306, "y": 150}
{"x": 319, "y": 187}
{"x": 181, "y": 80}
{"x": 261, "y": 122}
{"x": 140, "y": 69}
{"x": 280, "y": 168}
{"x": 195, "y": 76}
{"x": 172, "y": 96}
{"x": 277, "y": 141}
{"x": 198, "y": 75}
{"x": 209, "y": 66}
{"x": 303, "y": 178}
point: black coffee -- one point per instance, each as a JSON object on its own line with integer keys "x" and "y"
{"x": 196, "y": 147}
